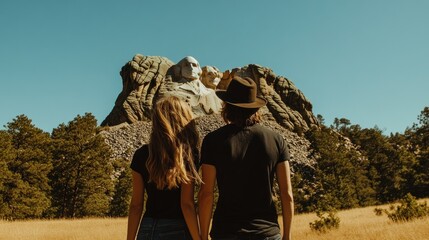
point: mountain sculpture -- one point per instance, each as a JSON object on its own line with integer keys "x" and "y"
{"x": 147, "y": 78}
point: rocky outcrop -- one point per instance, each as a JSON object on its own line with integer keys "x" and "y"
{"x": 144, "y": 78}
{"x": 141, "y": 79}
{"x": 288, "y": 105}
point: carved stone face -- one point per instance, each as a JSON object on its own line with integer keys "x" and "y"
{"x": 190, "y": 68}
{"x": 210, "y": 76}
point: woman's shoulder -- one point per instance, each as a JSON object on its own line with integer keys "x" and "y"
{"x": 138, "y": 162}
{"x": 142, "y": 152}
{"x": 144, "y": 148}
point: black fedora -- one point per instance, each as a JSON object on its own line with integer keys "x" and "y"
{"x": 241, "y": 92}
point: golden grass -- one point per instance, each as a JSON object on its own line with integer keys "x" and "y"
{"x": 356, "y": 224}
{"x": 85, "y": 229}
{"x": 362, "y": 223}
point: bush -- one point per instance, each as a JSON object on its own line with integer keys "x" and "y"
{"x": 409, "y": 210}
{"x": 326, "y": 221}
{"x": 378, "y": 211}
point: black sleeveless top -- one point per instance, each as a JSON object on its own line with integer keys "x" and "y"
{"x": 160, "y": 203}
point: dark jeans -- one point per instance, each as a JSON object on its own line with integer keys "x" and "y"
{"x": 163, "y": 229}
{"x": 275, "y": 237}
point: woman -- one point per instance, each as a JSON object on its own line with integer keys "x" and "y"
{"x": 243, "y": 157}
{"x": 165, "y": 169}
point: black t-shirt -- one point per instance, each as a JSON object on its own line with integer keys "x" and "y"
{"x": 160, "y": 203}
{"x": 245, "y": 161}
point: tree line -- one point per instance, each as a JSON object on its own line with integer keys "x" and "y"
{"x": 65, "y": 174}
{"x": 359, "y": 167}
{"x": 69, "y": 173}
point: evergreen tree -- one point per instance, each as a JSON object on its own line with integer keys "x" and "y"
{"x": 419, "y": 136}
{"x": 340, "y": 172}
{"x": 340, "y": 124}
{"x": 27, "y": 191}
{"x": 408, "y": 160}
{"x": 389, "y": 163}
{"x": 81, "y": 178}
{"x": 123, "y": 189}
{"x": 306, "y": 190}
{"x": 6, "y": 177}
{"x": 320, "y": 119}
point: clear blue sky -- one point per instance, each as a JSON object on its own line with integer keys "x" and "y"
{"x": 365, "y": 60}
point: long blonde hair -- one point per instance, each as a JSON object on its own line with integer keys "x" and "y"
{"x": 174, "y": 144}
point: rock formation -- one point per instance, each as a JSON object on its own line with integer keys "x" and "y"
{"x": 145, "y": 78}
{"x": 185, "y": 83}
{"x": 211, "y": 76}
{"x": 141, "y": 80}
{"x": 286, "y": 103}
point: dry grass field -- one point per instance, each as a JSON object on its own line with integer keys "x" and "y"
{"x": 362, "y": 224}
{"x": 356, "y": 224}
{"x": 85, "y": 229}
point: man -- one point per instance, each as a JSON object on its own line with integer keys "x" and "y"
{"x": 243, "y": 157}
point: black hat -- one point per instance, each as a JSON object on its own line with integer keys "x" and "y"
{"x": 241, "y": 92}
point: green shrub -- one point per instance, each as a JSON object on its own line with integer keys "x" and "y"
{"x": 409, "y": 209}
{"x": 326, "y": 221}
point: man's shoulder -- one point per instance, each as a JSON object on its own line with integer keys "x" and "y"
{"x": 221, "y": 132}
{"x": 266, "y": 131}
{"x": 261, "y": 128}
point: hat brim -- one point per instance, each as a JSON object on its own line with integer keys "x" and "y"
{"x": 259, "y": 102}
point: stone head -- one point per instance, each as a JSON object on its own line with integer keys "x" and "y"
{"x": 211, "y": 76}
{"x": 190, "y": 68}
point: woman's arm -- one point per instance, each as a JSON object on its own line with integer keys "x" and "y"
{"x": 188, "y": 208}
{"x": 286, "y": 197}
{"x": 136, "y": 206}
{"x": 205, "y": 198}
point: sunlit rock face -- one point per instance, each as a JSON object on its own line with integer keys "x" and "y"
{"x": 285, "y": 102}
{"x": 211, "y": 76}
{"x": 141, "y": 80}
{"x": 190, "y": 69}
{"x": 147, "y": 78}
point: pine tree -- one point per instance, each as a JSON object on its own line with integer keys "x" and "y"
{"x": 409, "y": 162}
{"x": 6, "y": 176}
{"x": 81, "y": 178}
{"x": 419, "y": 136}
{"x": 389, "y": 163}
{"x": 340, "y": 172}
{"x": 123, "y": 189}
{"x": 27, "y": 191}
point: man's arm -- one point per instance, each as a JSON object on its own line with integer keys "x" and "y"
{"x": 286, "y": 197}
